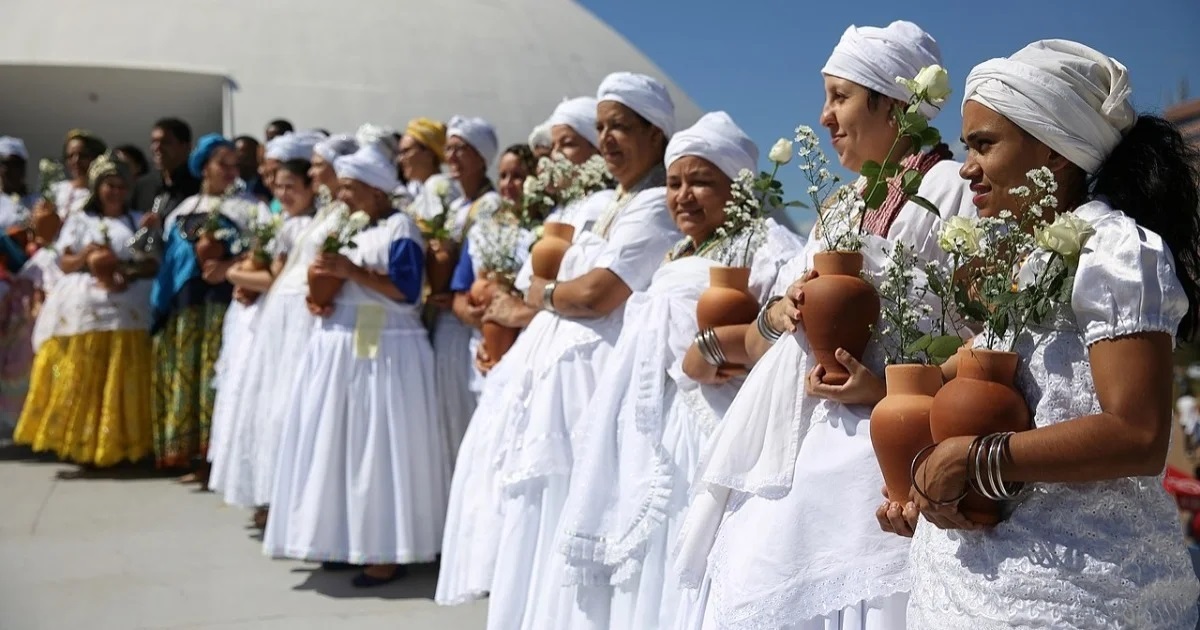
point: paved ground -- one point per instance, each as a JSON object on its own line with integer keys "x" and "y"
{"x": 131, "y": 552}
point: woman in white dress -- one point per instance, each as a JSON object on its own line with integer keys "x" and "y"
{"x": 603, "y": 267}
{"x": 89, "y": 399}
{"x": 647, "y": 421}
{"x": 362, "y": 476}
{"x": 243, "y": 465}
{"x": 422, "y": 151}
{"x": 471, "y": 540}
{"x": 1092, "y": 540}
{"x": 236, "y": 338}
{"x": 775, "y": 536}
{"x": 471, "y": 146}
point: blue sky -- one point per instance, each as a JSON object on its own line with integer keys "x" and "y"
{"x": 760, "y": 60}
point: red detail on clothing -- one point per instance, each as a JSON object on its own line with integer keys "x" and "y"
{"x": 879, "y": 220}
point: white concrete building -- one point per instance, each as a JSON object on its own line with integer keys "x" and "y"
{"x": 233, "y": 65}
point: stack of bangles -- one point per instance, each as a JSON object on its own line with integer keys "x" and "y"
{"x": 710, "y": 347}
{"x": 764, "y": 327}
{"x": 984, "y": 458}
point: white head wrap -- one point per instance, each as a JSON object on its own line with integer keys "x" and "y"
{"x": 1072, "y": 98}
{"x": 370, "y": 166}
{"x": 292, "y": 146}
{"x": 476, "y": 132}
{"x": 10, "y": 146}
{"x": 873, "y": 57}
{"x": 333, "y": 147}
{"x": 578, "y": 114}
{"x": 540, "y": 136}
{"x": 644, "y": 95}
{"x": 716, "y": 138}
{"x": 382, "y": 137}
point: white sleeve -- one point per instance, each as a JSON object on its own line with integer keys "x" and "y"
{"x": 639, "y": 239}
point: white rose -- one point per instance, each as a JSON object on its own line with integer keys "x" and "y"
{"x": 781, "y": 153}
{"x": 1033, "y": 267}
{"x": 960, "y": 235}
{"x": 933, "y": 82}
{"x": 358, "y": 220}
{"x": 441, "y": 188}
{"x": 1066, "y": 236}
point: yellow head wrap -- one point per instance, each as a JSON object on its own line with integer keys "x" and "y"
{"x": 91, "y": 142}
{"x": 430, "y": 133}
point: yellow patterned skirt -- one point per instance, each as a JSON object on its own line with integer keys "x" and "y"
{"x": 89, "y": 398}
{"x": 185, "y": 358}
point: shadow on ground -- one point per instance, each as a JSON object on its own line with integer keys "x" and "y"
{"x": 420, "y": 583}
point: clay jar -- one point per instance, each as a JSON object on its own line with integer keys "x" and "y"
{"x": 838, "y": 311}
{"x": 253, "y": 262}
{"x": 208, "y": 248}
{"x": 980, "y": 400}
{"x": 548, "y": 252}
{"x": 900, "y": 423}
{"x": 727, "y": 300}
{"x": 440, "y": 259}
{"x": 103, "y": 265}
{"x": 323, "y": 289}
{"x": 497, "y": 339}
{"x": 46, "y": 224}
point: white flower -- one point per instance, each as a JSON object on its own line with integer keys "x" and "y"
{"x": 933, "y": 84}
{"x": 531, "y": 187}
{"x": 781, "y": 153}
{"x": 1032, "y": 269}
{"x": 960, "y": 235}
{"x": 441, "y": 187}
{"x": 812, "y": 190}
{"x": 1019, "y": 191}
{"x": 1066, "y": 236}
{"x": 358, "y": 220}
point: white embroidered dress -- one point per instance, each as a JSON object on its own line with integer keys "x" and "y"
{"x": 547, "y": 404}
{"x": 244, "y": 465}
{"x": 642, "y": 436}
{"x": 781, "y": 532}
{"x": 362, "y": 476}
{"x": 1107, "y": 554}
{"x": 472, "y": 537}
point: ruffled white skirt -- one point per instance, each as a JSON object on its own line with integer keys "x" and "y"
{"x": 236, "y": 339}
{"x": 362, "y": 476}
{"x": 454, "y": 359}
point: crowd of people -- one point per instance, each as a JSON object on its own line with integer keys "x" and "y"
{"x": 303, "y": 326}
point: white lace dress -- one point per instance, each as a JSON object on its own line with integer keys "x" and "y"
{"x": 548, "y": 404}
{"x": 1107, "y": 554}
{"x": 641, "y": 440}
{"x": 781, "y": 532}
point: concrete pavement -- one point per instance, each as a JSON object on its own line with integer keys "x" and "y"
{"x": 126, "y": 551}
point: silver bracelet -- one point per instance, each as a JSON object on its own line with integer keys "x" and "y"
{"x": 710, "y": 347}
{"x": 764, "y": 327}
{"x": 548, "y": 296}
{"x": 986, "y": 454}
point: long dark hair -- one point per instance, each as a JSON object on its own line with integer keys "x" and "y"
{"x": 1153, "y": 176}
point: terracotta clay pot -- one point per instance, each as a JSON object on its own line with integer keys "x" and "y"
{"x": 548, "y": 252}
{"x": 498, "y": 339}
{"x": 253, "y": 262}
{"x": 440, "y": 259}
{"x": 980, "y": 400}
{"x": 323, "y": 289}
{"x": 46, "y": 226}
{"x": 900, "y": 423}
{"x": 208, "y": 248}
{"x": 839, "y": 310}
{"x": 727, "y": 300}
{"x": 103, "y": 265}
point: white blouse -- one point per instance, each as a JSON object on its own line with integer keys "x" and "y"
{"x": 1104, "y": 554}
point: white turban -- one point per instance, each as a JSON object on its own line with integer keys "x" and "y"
{"x": 578, "y": 114}
{"x": 642, "y": 94}
{"x": 381, "y": 137}
{"x": 874, "y": 57}
{"x": 292, "y": 146}
{"x": 333, "y": 147}
{"x": 370, "y": 166}
{"x": 716, "y": 138}
{"x": 540, "y": 136}
{"x": 476, "y": 132}
{"x": 1072, "y": 98}
{"x": 10, "y": 146}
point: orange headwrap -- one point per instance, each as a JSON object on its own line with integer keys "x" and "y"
{"x": 430, "y": 133}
